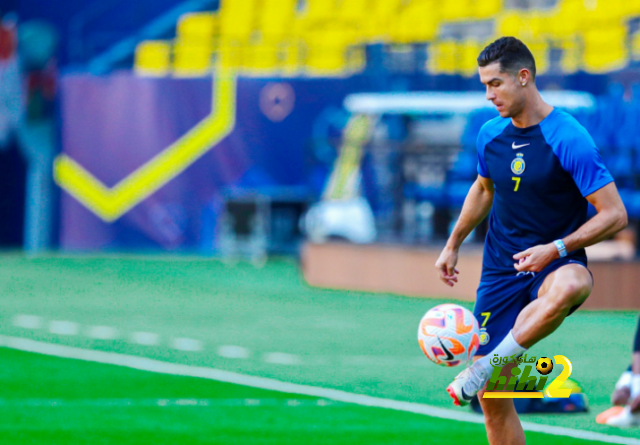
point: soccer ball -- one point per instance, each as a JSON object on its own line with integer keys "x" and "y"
{"x": 544, "y": 365}
{"x": 449, "y": 335}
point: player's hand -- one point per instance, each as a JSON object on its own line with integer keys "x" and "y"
{"x": 446, "y": 266}
{"x": 535, "y": 258}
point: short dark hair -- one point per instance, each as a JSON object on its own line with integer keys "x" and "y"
{"x": 511, "y": 53}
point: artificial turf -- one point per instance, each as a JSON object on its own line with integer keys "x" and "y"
{"x": 50, "y": 400}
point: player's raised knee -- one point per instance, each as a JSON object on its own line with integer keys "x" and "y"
{"x": 565, "y": 295}
{"x": 575, "y": 285}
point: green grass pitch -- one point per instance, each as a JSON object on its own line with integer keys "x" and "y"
{"x": 48, "y": 400}
{"x": 352, "y": 341}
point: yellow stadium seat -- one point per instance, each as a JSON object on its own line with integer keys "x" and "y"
{"x": 635, "y": 47}
{"x": 350, "y": 20}
{"x": 356, "y": 59}
{"x": 314, "y": 15}
{"x": 275, "y": 19}
{"x": 192, "y": 59}
{"x": 630, "y": 9}
{"x": 383, "y": 15}
{"x": 566, "y": 20}
{"x": 197, "y": 26}
{"x": 230, "y": 54}
{"x": 486, "y": 8}
{"x": 604, "y": 12}
{"x": 468, "y": 51}
{"x": 571, "y": 59}
{"x": 537, "y": 24}
{"x": 152, "y": 58}
{"x": 416, "y": 22}
{"x": 510, "y": 24}
{"x": 457, "y": 10}
{"x": 292, "y": 59}
{"x": 326, "y": 60}
{"x": 320, "y": 9}
{"x": 262, "y": 58}
{"x": 605, "y": 49}
{"x": 326, "y": 51}
{"x": 540, "y": 51}
{"x": 353, "y": 10}
{"x": 237, "y": 19}
{"x": 276, "y": 27}
{"x": 443, "y": 57}
{"x": 525, "y": 26}
{"x": 357, "y": 15}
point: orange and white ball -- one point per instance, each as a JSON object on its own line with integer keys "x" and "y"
{"x": 449, "y": 335}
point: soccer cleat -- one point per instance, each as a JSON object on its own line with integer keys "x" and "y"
{"x": 466, "y": 385}
{"x": 626, "y": 419}
{"x": 608, "y": 414}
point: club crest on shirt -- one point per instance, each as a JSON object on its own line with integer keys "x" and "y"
{"x": 517, "y": 165}
{"x": 484, "y": 337}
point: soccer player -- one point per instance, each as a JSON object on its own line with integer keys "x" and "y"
{"x": 537, "y": 170}
{"x": 627, "y": 393}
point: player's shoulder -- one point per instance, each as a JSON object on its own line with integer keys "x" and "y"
{"x": 491, "y": 129}
{"x": 560, "y": 129}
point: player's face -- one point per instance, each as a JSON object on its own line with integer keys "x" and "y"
{"x": 502, "y": 89}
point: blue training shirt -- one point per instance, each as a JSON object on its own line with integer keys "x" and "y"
{"x": 541, "y": 175}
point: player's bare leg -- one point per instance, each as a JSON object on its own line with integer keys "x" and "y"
{"x": 634, "y": 395}
{"x": 501, "y": 419}
{"x": 561, "y": 290}
{"x": 629, "y": 417}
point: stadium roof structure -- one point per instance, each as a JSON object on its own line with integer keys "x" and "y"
{"x": 450, "y": 102}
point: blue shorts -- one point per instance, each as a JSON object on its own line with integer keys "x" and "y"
{"x": 500, "y": 301}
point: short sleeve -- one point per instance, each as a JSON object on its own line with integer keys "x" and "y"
{"x": 489, "y": 131}
{"x": 581, "y": 158}
{"x": 482, "y": 163}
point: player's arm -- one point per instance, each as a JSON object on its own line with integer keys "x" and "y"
{"x": 476, "y": 207}
{"x": 610, "y": 219}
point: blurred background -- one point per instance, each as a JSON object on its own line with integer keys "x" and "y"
{"x": 331, "y": 137}
{"x": 242, "y": 129}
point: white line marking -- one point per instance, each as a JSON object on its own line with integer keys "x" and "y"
{"x": 145, "y": 338}
{"x": 281, "y": 358}
{"x": 232, "y": 351}
{"x": 186, "y": 344}
{"x": 147, "y": 364}
{"x": 65, "y": 403}
{"x": 103, "y": 332}
{"x": 27, "y": 321}
{"x": 62, "y": 327}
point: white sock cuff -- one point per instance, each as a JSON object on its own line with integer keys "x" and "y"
{"x": 507, "y": 348}
{"x": 624, "y": 380}
{"x": 515, "y": 343}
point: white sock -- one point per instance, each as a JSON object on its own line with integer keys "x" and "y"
{"x": 506, "y": 348}
{"x": 624, "y": 380}
{"x": 635, "y": 386}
